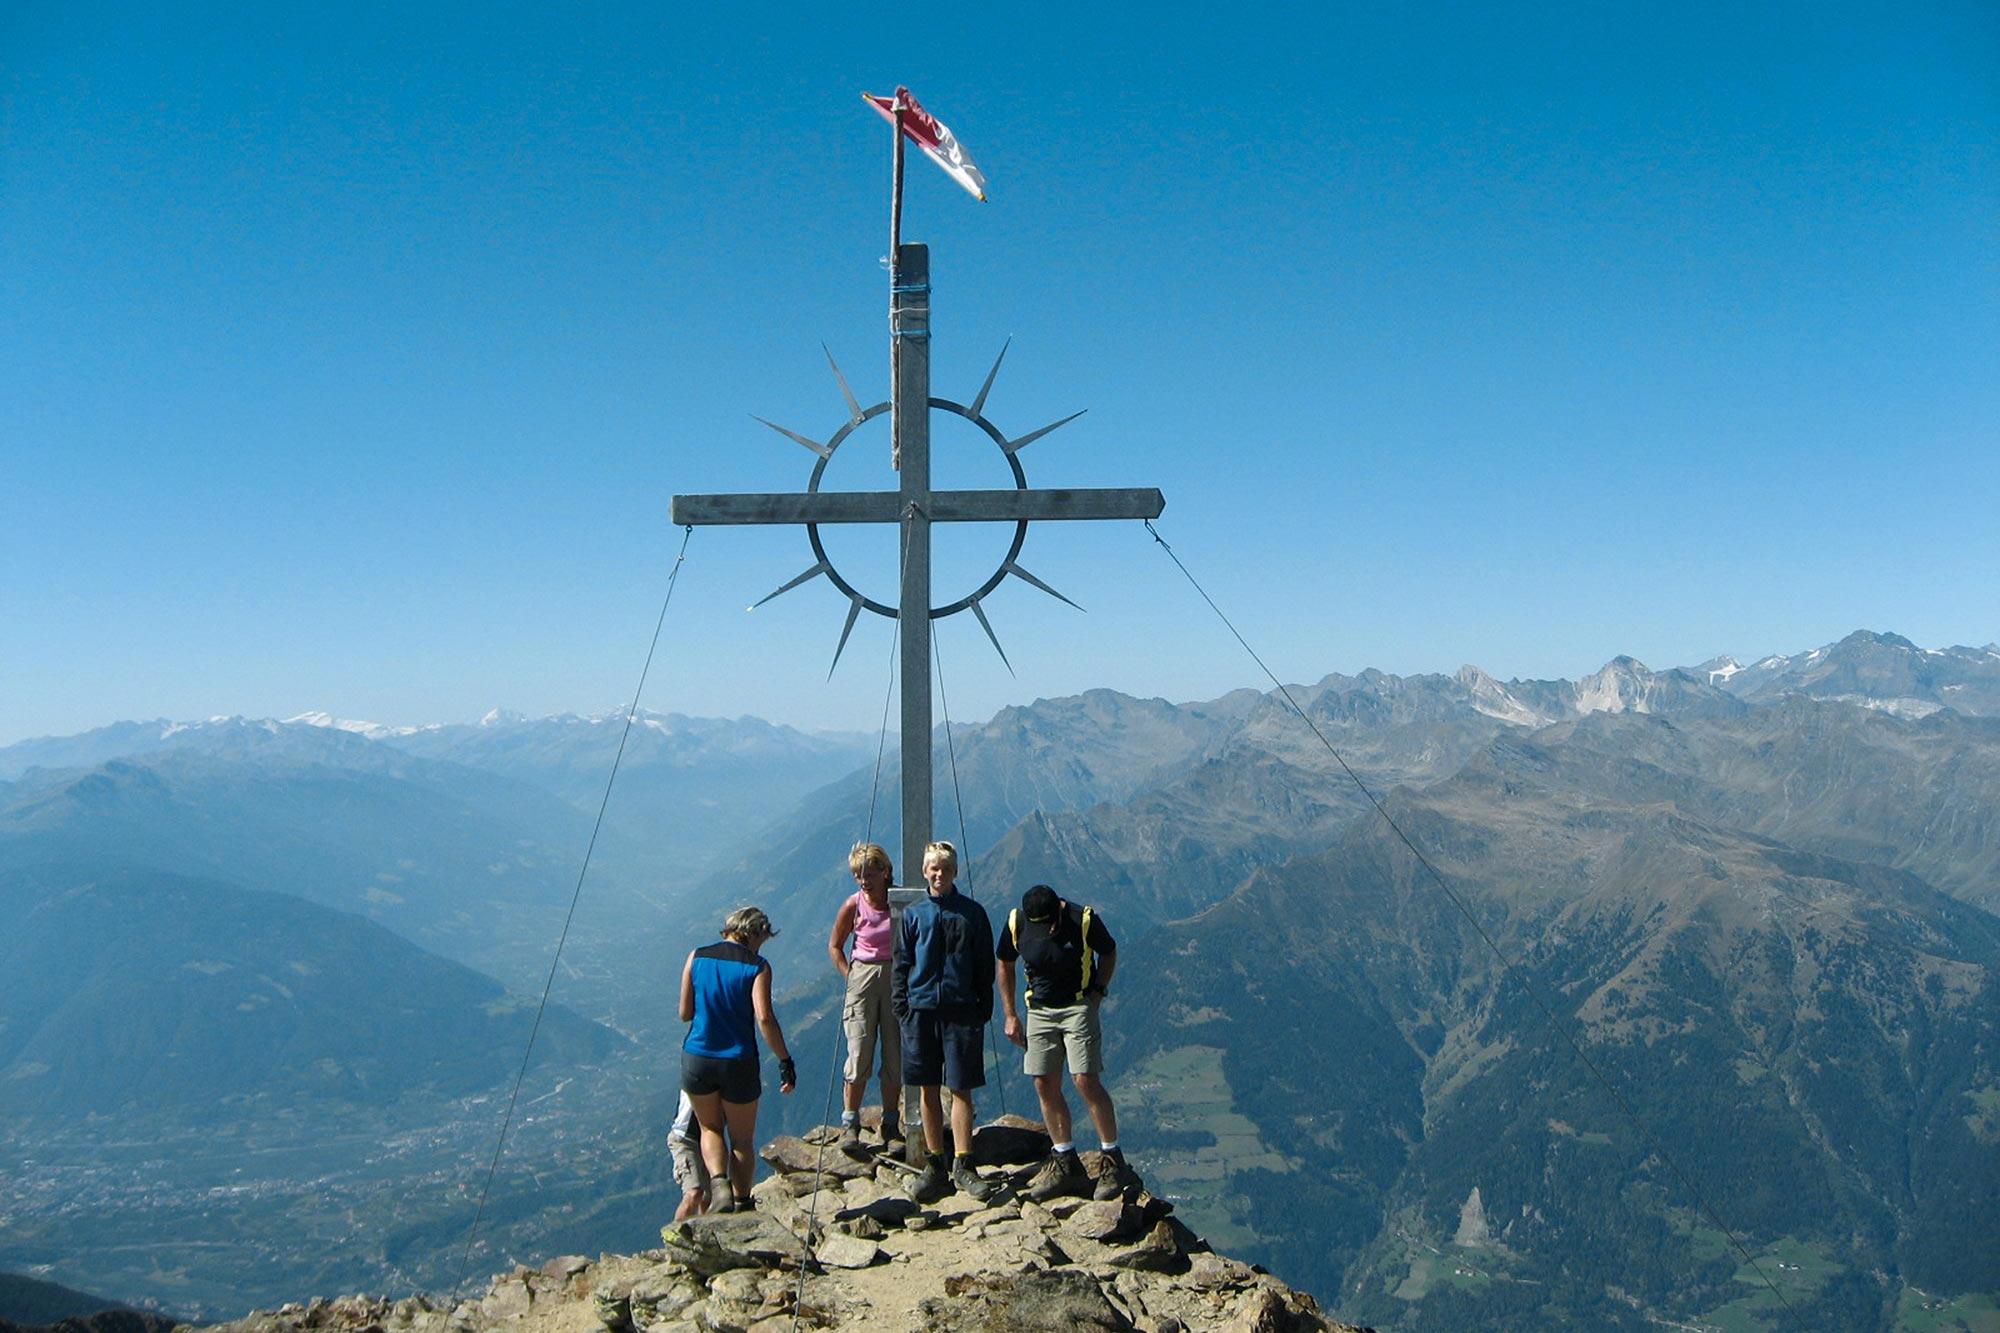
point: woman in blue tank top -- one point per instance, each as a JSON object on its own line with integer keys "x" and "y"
{"x": 726, "y": 997}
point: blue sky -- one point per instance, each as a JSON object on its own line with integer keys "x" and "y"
{"x": 348, "y": 357}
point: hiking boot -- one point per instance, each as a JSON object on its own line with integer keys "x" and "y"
{"x": 892, "y": 1130}
{"x": 850, "y": 1141}
{"x": 970, "y": 1182}
{"x": 932, "y": 1184}
{"x": 1062, "y": 1174}
{"x": 1113, "y": 1176}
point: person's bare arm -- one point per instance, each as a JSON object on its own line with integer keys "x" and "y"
{"x": 687, "y": 990}
{"x": 1004, "y": 970}
{"x": 836, "y": 943}
{"x": 767, "y": 1021}
{"x": 1107, "y": 963}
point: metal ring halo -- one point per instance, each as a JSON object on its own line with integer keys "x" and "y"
{"x": 1020, "y": 525}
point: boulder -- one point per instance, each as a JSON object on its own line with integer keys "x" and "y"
{"x": 864, "y": 1226}
{"x": 1011, "y": 1140}
{"x": 718, "y": 1243}
{"x": 1036, "y": 1215}
{"x": 1274, "y": 1310}
{"x": 509, "y": 1298}
{"x": 891, "y": 1210}
{"x": 614, "y": 1309}
{"x": 794, "y": 1156}
{"x": 1213, "y": 1272}
{"x": 1107, "y": 1221}
{"x": 1054, "y": 1301}
{"x": 838, "y": 1250}
{"x": 739, "y": 1284}
{"x": 663, "y": 1295}
{"x": 1158, "y": 1251}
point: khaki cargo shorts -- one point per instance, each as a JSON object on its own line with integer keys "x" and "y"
{"x": 867, "y": 1018}
{"x": 690, "y": 1171}
{"x": 1060, "y": 1033}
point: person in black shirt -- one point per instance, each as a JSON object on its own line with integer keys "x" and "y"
{"x": 1070, "y": 958}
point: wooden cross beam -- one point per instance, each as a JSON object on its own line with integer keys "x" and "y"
{"x": 915, "y": 506}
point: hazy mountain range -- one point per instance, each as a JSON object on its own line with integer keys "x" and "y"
{"x": 1761, "y": 895}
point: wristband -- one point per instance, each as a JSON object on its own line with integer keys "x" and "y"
{"x": 787, "y": 1071}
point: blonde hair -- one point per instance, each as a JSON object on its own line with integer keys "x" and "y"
{"x": 748, "y": 923}
{"x": 869, "y": 856}
{"x": 943, "y": 853}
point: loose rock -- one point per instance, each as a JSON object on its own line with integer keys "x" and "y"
{"x": 842, "y": 1251}
{"x": 1049, "y": 1302}
{"x": 711, "y": 1245}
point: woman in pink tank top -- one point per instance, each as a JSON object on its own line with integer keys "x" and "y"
{"x": 866, "y": 1017}
{"x": 874, "y": 928}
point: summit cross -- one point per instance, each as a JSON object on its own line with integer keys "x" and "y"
{"x": 916, "y": 506}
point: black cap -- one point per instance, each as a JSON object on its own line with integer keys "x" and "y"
{"x": 1040, "y": 903}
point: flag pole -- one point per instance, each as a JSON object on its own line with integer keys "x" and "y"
{"x": 896, "y": 189}
{"x": 895, "y": 281}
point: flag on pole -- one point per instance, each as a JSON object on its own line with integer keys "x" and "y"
{"x": 929, "y": 133}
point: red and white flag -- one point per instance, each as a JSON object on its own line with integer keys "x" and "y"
{"x": 929, "y": 133}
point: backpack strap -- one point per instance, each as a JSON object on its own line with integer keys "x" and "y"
{"x": 1086, "y": 949}
{"x": 1014, "y": 938}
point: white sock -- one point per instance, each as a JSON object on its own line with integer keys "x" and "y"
{"x": 1065, "y": 1147}
{"x": 850, "y": 1117}
{"x": 1111, "y": 1146}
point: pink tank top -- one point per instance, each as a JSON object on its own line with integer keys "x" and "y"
{"x": 873, "y": 931}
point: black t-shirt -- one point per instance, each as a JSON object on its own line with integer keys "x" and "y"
{"x": 1052, "y": 951}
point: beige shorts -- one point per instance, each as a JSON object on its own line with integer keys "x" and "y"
{"x": 690, "y": 1172}
{"x": 1064, "y": 1033}
{"x": 868, "y": 1019}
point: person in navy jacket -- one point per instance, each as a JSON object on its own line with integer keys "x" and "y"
{"x": 942, "y": 994}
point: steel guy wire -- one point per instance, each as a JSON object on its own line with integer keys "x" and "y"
{"x": 631, "y": 715}
{"x": 834, "y": 1065}
{"x": 1506, "y": 964}
{"x": 965, "y": 856}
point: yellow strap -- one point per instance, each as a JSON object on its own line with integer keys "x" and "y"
{"x": 1014, "y": 934}
{"x": 1086, "y": 948}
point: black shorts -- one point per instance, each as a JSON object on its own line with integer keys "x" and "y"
{"x": 738, "y": 1081}
{"x": 944, "y": 1046}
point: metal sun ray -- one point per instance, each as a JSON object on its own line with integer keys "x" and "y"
{"x": 979, "y": 403}
{"x": 1034, "y": 582}
{"x": 818, "y": 568}
{"x": 812, "y": 444}
{"x": 853, "y": 403}
{"x": 980, "y": 615}
{"x": 853, "y": 614}
{"x": 1015, "y": 446}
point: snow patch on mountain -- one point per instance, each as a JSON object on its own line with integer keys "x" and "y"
{"x": 374, "y": 731}
{"x": 1904, "y": 707}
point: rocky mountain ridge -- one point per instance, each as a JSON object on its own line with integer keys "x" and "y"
{"x": 1737, "y": 881}
{"x": 836, "y": 1243}
{"x": 1874, "y": 670}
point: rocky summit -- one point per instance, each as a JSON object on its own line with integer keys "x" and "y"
{"x": 837, "y": 1243}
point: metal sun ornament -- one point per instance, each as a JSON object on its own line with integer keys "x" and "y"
{"x": 1009, "y": 564}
